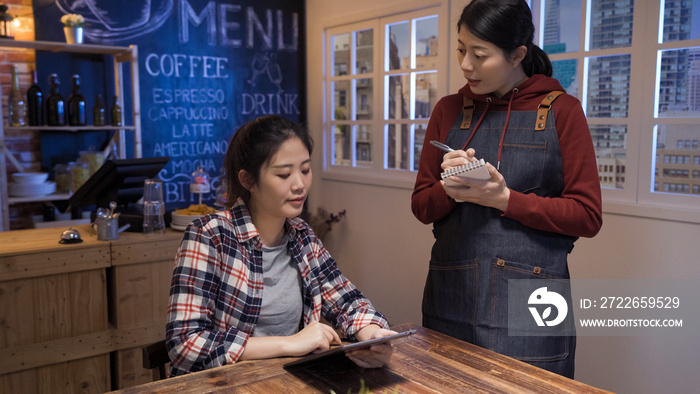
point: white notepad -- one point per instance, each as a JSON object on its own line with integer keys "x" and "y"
{"x": 473, "y": 170}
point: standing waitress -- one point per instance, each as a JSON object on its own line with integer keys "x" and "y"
{"x": 543, "y": 192}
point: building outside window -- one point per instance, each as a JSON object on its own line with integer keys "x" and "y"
{"x": 604, "y": 52}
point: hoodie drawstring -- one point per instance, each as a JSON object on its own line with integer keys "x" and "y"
{"x": 505, "y": 126}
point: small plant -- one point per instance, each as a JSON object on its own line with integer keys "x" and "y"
{"x": 322, "y": 222}
{"x": 72, "y": 20}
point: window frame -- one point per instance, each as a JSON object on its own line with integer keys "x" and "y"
{"x": 377, "y": 174}
{"x": 637, "y": 197}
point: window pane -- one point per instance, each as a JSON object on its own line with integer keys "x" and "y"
{"x": 398, "y": 45}
{"x": 342, "y": 140}
{"x": 680, "y": 22}
{"x": 566, "y": 72}
{"x": 397, "y": 91}
{"x": 562, "y": 26}
{"x": 363, "y": 145}
{"x": 677, "y": 166}
{"x": 426, "y": 94}
{"x": 341, "y": 100}
{"x": 364, "y": 44}
{"x": 611, "y": 24}
{"x": 419, "y": 137}
{"x": 679, "y": 83}
{"x": 609, "y": 144}
{"x": 608, "y": 86}
{"x": 426, "y": 42}
{"x": 397, "y": 143}
{"x": 341, "y": 53}
{"x": 363, "y": 98}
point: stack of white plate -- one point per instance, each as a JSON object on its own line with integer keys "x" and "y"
{"x": 180, "y": 222}
{"x": 30, "y": 184}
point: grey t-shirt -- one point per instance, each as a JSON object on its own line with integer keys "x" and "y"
{"x": 282, "y": 303}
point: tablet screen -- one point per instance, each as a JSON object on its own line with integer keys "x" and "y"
{"x": 347, "y": 348}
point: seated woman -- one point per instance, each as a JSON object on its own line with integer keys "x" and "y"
{"x": 253, "y": 281}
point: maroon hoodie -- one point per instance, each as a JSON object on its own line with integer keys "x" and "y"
{"x": 576, "y": 212}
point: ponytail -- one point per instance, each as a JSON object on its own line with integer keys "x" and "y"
{"x": 537, "y": 62}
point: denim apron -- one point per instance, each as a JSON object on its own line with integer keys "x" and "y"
{"x": 477, "y": 250}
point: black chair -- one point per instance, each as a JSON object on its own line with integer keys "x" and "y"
{"x": 156, "y": 356}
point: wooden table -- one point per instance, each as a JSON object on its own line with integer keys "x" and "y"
{"x": 427, "y": 362}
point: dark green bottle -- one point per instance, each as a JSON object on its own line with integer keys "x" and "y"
{"x": 77, "y": 113}
{"x": 35, "y": 103}
{"x": 54, "y": 104}
{"x": 98, "y": 112}
{"x": 116, "y": 112}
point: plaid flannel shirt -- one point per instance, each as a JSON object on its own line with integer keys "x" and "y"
{"x": 216, "y": 290}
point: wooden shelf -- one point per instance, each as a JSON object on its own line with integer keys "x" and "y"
{"x": 55, "y": 46}
{"x": 70, "y": 128}
{"x": 46, "y": 197}
{"x": 122, "y": 55}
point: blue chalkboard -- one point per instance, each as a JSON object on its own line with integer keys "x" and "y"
{"x": 205, "y": 68}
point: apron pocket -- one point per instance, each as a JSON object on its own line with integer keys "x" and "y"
{"x": 449, "y": 298}
{"x": 519, "y": 177}
{"x": 524, "y": 348}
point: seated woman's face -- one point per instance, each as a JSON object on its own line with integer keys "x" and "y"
{"x": 284, "y": 182}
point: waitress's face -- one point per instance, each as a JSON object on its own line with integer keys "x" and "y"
{"x": 283, "y": 184}
{"x": 485, "y": 66}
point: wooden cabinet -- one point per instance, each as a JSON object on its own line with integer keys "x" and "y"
{"x": 139, "y": 284}
{"x": 74, "y": 317}
{"x": 122, "y": 56}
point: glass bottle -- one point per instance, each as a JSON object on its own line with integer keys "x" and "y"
{"x": 98, "y": 112}
{"x": 35, "y": 102}
{"x": 16, "y": 106}
{"x": 55, "y": 104}
{"x": 116, "y": 112}
{"x": 76, "y": 105}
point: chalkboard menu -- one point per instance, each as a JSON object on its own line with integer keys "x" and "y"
{"x": 205, "y": 68}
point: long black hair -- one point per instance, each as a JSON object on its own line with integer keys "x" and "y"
{"x": 252, "y": 146}
{"x": 508, "y": 25}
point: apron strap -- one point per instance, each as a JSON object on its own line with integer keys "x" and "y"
{"x": 544, "y": 107}
{"x": 467, "y": 112}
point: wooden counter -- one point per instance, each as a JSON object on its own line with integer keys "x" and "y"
{"x": 74, "y": 316}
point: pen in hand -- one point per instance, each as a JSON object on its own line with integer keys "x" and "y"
{"x": 440, "y": 145}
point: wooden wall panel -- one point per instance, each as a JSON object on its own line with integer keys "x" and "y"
{"x": 52, "y": 307}
{"x": 140, "y": 300}
{"x": 92, "y": 375}
{"x": 88, "y": 375}
{"x": 30, "y": 265}
{"x": 24, "y": 382}
{"x": 140, "y": 293}
{"x": 88, "y": 298}
{"x": 162, "y": 274}
{"x": 73, "y": 320}
{"x": 17, "y": 313}
{"x": 130, "y": 370}
{"x": 144, "y": 252}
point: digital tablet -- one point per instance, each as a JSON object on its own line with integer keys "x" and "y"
{"x": 346, "y": 348}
